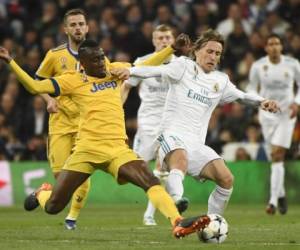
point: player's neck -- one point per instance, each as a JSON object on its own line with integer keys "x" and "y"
{"x": 73, "y": 46}
{"x": 275, "y": 59}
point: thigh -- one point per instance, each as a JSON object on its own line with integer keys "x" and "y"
{"x": 145, "y": 146}
{"x": 122, "y": 155}
{"x": 172, "y": 152}
{"x": 283, "y": 134}
{"x": 199, "y": 157}
{"x": 216, "y": 170}
{"x": 59, "y": 149}
{"x": 137, "y": 173}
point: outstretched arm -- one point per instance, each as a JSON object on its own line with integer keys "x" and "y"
{"x": 231, "y": 93}
{"x": 33, "y": 86}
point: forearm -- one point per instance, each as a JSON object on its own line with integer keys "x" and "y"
{"x": 124, "y": 92}
{"x": 33, "y": 86}
{"x": 146, "y": 72}
{"x": 158, "y": 58}
{"x": 251, "y": 99}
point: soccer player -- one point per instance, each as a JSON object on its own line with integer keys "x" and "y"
{"x": 153, "y": 94}
{"x": 275, "y": 75}
{"x": 196, "y": 88}
{"x": 101, "y": 141}
{"x": 64, "y": 116}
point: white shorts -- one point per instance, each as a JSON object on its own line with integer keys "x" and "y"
{"x": 145, "y": 146}
{"x": 199, "y": 155}
{"x": 277, "y": 132}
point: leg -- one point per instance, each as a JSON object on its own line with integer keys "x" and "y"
{"x": 177, "y": 163}
{"x": 137, "y": 173}
{"x": 54, "y": 201}
{"x": 67, "y": 182}
{"x": 277, "y": 181}
{"x": 218, "y": 172}
{"x": 60, "y": 149}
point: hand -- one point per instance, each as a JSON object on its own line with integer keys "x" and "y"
{"x": 182, "y": 45}
{"x": 294, "y": 110}
{"x": 52, "y": 105}
{"x": 4, "y": 55}
{"x": 121, "y": 73}
{"x": 270, "y": 106}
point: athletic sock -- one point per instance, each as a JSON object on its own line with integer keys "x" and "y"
{"x": 174, "y": 185}
{"x": 277, "y": 182}
{"x": 218, "y": 200}
{"x": 43, "y": 197}
{"x": 78, "y": 200}
{"x": 163, "y": 202}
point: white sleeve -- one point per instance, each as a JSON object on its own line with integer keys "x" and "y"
{"x": 231, "y": 93}
{"x": 253, "y": 80}
{"x": 171, "y": 72}
{"x": 297, "y": 79}
{"x": 134, "y": 81}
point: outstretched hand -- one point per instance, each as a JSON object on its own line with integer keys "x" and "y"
{"x": 270, "y": 106}
{"x": 121, "y": 73}
{"x": 4, "y": 55}
{"x": 182, "y": 44}
{"x": 52, "y": 105}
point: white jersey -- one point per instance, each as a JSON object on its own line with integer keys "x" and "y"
{"x": 193, "y": 95}
{"x": 276, "y": 81}
{"x": 152, "y": 92}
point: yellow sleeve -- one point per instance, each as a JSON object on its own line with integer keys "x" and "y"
{"x": 46, "y": 69}
{"x": 157, "y": 58}
{"x": 33, "y": 86}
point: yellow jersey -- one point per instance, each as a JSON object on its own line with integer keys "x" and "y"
{"x": 99, "y": 103}
{"x": 56, "y": 62}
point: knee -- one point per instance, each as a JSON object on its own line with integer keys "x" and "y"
{"x": 278, "y": 155}
{"x": 54, "y": 206}
{"x": 227, "y": 181}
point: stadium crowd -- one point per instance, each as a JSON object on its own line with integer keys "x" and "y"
{"x": 28, "y": 29}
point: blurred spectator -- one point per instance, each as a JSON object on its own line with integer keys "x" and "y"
{"x": 226, "y": 26}
{"x": 35, "y": 122}
{"x": 241, "y": 154}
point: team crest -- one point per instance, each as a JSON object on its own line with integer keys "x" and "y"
{"x": 216, "y": 87}
{"x": 265, "y": 68}
{"x": 63, "y": 61}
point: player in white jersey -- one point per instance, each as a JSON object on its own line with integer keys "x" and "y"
{"x": 196, "y": 88}
{"x": 275, "y": 75}
{"x": 152, "y": 92}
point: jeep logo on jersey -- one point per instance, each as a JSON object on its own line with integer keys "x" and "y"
{"x": 102, "y": 86}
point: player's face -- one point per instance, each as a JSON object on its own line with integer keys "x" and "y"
{"x": 93, "y": 62}
{"x": 209, "y": 55}
{"x": 162, "y": 39}
{"x": 76, "y": 28}
{"x": 273, "y": 47}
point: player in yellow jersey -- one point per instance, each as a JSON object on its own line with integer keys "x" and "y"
{"x": 64, "y": 116}
{"x": 101, "y": 139}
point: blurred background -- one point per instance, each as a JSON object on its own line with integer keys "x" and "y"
{"x": 29, "y": 28}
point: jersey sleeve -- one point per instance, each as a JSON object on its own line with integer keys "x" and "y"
{"x": 232, "y": 93}
{"x": 297, "y": 79}
{"x": 62, "y": 84}
{"x": 46, "y": 69}
{"x": 253, "y": 80}
{"x": 171, "y": 72}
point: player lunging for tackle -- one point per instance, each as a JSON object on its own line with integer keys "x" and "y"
{"x": 101, "y": 139}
